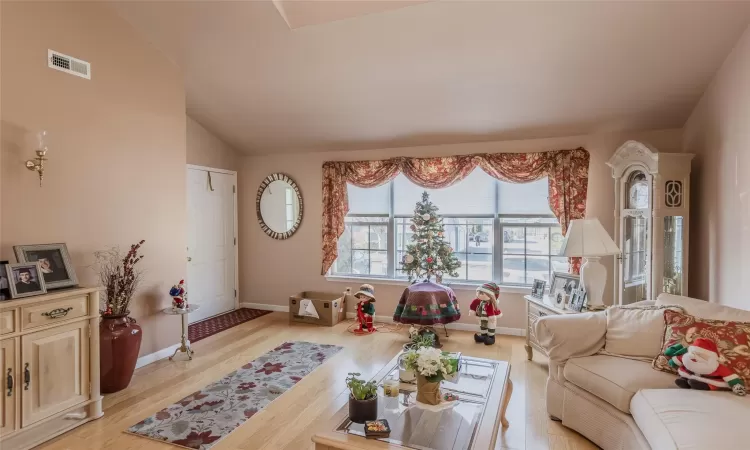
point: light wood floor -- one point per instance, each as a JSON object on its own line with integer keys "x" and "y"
{"x": 290, "y": 421}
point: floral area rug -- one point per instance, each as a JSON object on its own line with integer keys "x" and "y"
{"x": 202, "y": 418}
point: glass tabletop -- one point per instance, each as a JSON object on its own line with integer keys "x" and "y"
{"x": 450, "y": 429}
{"x": 177, "y": 311}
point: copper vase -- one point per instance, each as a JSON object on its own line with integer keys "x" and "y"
{"x": 120, "y": 340}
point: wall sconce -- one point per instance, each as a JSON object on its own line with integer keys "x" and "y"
{"x": 37, "y": 164}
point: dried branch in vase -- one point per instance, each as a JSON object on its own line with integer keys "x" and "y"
{"x": 119, "y": 276}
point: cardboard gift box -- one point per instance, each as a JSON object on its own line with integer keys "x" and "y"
{"x": 331, "y": 308}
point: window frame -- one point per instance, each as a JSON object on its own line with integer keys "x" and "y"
{"x": 499, "y": 235}
{"x": 498, "y": 226}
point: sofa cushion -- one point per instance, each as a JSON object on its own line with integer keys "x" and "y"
{"x": 732, "y": 340}
{"x": 615, "y": 380}
{"x": 704, "y": 309}
{"x": 635, "y": 331}
{"x": 688, "y": 419}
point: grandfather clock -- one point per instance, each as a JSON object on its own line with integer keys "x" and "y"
{"x": 652, "y": 206}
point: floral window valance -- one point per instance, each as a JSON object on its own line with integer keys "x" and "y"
{"x": 567, "y": 171}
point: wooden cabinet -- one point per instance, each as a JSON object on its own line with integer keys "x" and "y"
{"x": 536, "y": 308}
{"x": 54, "y": 361}
{"x": 8, "y": 365}
{"x": 50, "y": 347}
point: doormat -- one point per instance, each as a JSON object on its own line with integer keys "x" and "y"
{"x": 209, "y": 327}
{"x": 202, "y": 418}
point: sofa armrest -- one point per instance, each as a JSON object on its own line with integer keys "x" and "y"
{"x": 571, "y": 335}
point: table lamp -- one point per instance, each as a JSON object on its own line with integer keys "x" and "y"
{"x": 587, "y": 238}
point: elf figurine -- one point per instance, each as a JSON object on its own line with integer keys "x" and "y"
{"x": 699, "y": 367}
{"x": 487, "y": 309}
{"x": 365, "y": 309}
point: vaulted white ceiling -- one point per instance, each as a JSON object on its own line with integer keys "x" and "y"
{"x": 440, "y": 71}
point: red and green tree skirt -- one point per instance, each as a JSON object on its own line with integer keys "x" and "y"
{"x": 430, "y": 254}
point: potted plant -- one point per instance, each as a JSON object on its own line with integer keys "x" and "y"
{"x": 363, "y": 399}
{"x": 120, "y": 336}
{"x": 431, "y": 367}
{"x": 420, "y": 338}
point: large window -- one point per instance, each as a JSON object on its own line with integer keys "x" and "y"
{"x": 499, "y": 231}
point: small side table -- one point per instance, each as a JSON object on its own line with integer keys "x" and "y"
{"x": 536, "y": 308}
{"x": 184, "y": 342}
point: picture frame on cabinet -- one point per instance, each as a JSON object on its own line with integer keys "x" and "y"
{"x": 563, "y": 281}
{"x": 577, "y": 300}
{"x": 25, "y": 279}
{"x": 537, "y": 289}
{"x": 54, "y": 259}
{"x": 4, "y": 283}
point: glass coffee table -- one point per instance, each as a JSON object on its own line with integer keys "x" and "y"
{"x": 484, "y": 390}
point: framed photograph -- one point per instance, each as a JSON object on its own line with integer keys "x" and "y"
{"x": 577, "y": 300}
{"x": 25, "y": 279}
{"x": 4, "y": 283}
{"x": 537, "y": 289}
{"x": 54, "y": 260}
{"x": 560, "y": 298}
{"x": 563, "y": 281}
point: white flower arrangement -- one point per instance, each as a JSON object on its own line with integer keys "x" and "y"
{"x": 431, "y": 363}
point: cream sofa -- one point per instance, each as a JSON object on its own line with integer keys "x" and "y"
{"x": 622, "y": 403}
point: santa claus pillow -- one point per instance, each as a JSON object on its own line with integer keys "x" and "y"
{"x": 732, "y": 340}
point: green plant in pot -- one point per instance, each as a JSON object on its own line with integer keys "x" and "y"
{"x": 363, "y": 399}
{"x": 421, "y": 338}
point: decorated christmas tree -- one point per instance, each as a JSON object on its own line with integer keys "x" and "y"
{"x": 429, "y": 255}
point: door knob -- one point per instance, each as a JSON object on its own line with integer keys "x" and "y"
{"x": 190, "y": 259}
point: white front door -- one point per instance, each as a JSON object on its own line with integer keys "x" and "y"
{"x": 211, "y": 242}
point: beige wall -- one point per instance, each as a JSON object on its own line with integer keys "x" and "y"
{"x": 116, "y": 170}
{"x": 718, "y": 132}
{"x": 272, "y": 270}
{"x": 205, "y": 149}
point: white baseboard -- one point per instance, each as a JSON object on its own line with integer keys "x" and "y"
{"x": 166, "y": 352}
{"x": 153, "y": 357}
{"x": 264, "y": 307}
{"x": 455, "y": 326}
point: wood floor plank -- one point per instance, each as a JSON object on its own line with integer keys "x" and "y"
{"x": 289, "y": 422}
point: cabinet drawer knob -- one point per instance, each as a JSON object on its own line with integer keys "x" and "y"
{"x": 57, "y": 313}
{"x": 26, "y": 376}
{"x": 542, "y": 313}
{"x": 9, "y": 382}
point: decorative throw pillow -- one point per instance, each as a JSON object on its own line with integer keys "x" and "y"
{"x": 731, "y": 338}
{"x": 636, "y": 331}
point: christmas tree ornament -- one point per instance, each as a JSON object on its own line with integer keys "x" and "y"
{"x": 487, "y": 309}
{"x": 408, "y": 259}
{"x": 365, "y": 309}
{"x": 426, "y": 217}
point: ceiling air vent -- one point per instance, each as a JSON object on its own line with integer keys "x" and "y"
{"x": 68, "y": 64}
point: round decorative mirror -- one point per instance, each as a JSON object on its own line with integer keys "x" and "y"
{"x": 279, "y": 206}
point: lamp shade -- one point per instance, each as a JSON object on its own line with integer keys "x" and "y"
{"x": 587, "y": 237}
